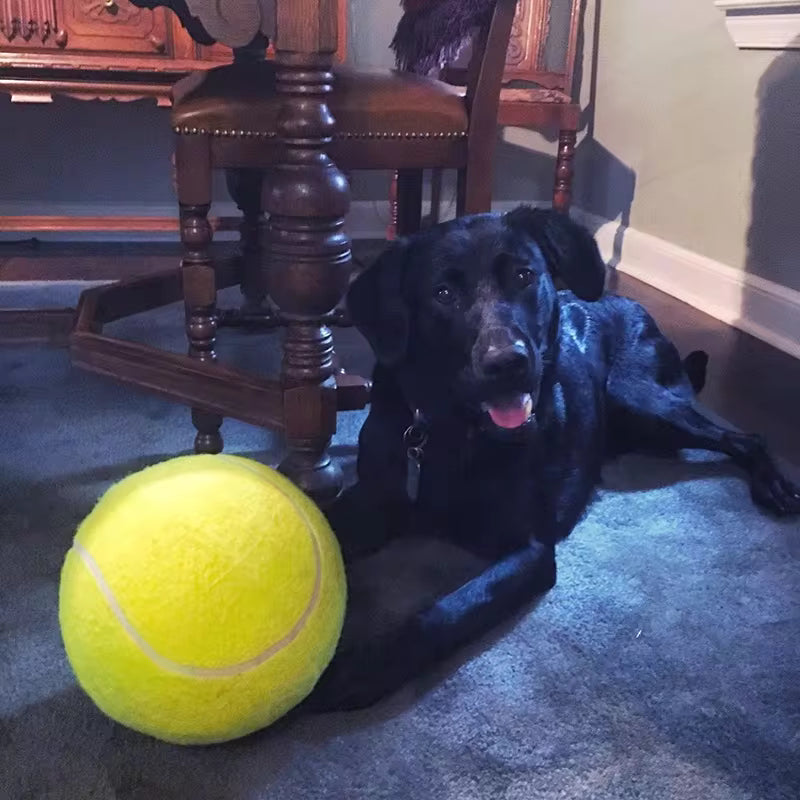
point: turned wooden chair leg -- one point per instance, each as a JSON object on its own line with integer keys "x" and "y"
{"x": 244, "y": 186}
{"x": 310, "y": 260}
{"x": 199, "y": 282}
{"x": 409, "y": 201}
{"x": 562, "y": 188}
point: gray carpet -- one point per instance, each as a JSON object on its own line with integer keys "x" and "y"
{"x": 665, "y": 664}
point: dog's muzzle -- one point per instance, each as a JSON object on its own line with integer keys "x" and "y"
{"x": 503, "y": 364}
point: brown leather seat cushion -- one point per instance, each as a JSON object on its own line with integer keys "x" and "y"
{"x": 242, "y": 97}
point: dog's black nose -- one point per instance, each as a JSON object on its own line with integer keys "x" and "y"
{"x": 508, "y": 359}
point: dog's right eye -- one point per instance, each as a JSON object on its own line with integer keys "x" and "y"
{"x": 524, "y": 277}
{"x": 444, "y": 295}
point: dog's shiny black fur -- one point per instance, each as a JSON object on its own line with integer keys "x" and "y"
{"x": 467, "y": 313}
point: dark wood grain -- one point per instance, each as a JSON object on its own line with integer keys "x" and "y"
{"x": 193, "y": 182}
{"x": 483, "y": 80}
{"x": 208, "y": 387}
{"x": 307, "y": 198}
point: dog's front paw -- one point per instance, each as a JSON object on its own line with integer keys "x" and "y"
{"x": 774, "y": 492}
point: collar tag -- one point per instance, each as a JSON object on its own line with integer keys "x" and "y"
{"x": 413, "y": 474}
{"x": 415, "y": 438}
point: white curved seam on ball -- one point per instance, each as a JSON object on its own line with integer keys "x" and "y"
{"x": 209, "y": 672}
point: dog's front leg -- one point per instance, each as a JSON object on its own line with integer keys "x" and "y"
{"x": 364, "y": 521}
{"x": 363, "y": 672}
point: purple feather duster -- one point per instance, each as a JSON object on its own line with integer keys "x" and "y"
{"x": 431, "y": 33}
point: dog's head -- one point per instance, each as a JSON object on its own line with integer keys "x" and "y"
{"x": 464, "y": 312}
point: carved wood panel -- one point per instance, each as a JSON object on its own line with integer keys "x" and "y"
{"x": 116, "y": 26}
{"x": 528, "y": 52}
{"x": 30, "y": 23}
{"x": 533, "y": 55}
{"x": 531, "y": 18}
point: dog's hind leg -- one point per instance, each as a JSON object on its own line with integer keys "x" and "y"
{"x": 656, "y": 417}
{"x": 364, "y": 671}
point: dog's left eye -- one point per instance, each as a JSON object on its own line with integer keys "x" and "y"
{"x": 444, "y": 295}
{"x": 525, "y": 277}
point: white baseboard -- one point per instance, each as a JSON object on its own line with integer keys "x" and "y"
{"x": 760, "y": 307}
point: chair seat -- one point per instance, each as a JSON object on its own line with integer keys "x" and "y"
{"x": 539, "y": 95}
{"x": 240, "y": 99}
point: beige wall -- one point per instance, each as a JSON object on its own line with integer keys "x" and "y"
{"x": 712, "y": 134}
{"x": 371, "y": 24}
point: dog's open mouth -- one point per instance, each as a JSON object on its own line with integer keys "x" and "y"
{"x": 510, "y": 412}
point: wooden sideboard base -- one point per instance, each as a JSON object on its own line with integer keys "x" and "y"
{"x": 48, "y": 325}
{"x": 61, "y": 224}
{"x": 25, "y": 89}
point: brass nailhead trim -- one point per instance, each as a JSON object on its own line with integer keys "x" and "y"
{"x": 242, "y": 134}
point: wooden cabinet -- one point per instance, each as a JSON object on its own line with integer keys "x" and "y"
{"x": 104, "y": 49}
{"x": 116, "y": 26}
{"x": 113, "y": 50}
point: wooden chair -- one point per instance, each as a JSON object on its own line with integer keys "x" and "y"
{"x": 536, "y": 86}
{"x": 384, "y": 119}
{"x": 235, "y": 118}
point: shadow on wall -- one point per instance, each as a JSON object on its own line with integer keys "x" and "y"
{"x": 604, "y": 185}
{"x": 773, "y": 253}
{"x": 773, "y": 240}
{"x": 606, "y": 188}
{"x": 518, "y": 167}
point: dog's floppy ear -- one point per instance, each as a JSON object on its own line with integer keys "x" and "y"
{"x": 377, "y": 307}
{"x": 569, "y": 249}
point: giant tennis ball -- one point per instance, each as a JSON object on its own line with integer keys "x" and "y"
{"x": 202, "y": 599}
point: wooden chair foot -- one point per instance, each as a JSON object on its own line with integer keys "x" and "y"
{"x": 208, "y": 439}
{"x": 309, "y": 466}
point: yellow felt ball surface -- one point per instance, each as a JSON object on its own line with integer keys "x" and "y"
{"x": 202, "y": 599}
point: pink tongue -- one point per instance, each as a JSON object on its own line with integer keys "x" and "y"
{"x": 512, "y": 415}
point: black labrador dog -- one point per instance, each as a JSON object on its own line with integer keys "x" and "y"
{"x": 495, "y": 400}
